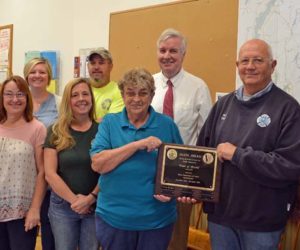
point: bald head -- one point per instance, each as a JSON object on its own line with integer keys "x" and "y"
{"x": 255, "y": 65}
{"x": 258, "y": 43}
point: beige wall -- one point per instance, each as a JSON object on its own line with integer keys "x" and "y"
{"x": 65, "y": 26}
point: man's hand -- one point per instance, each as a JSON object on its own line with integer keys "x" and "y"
{"x": 225, "y": 151}
{"x": 188, "y": 200}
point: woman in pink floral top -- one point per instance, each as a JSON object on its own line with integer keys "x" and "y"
{"x": 22, "y": 182}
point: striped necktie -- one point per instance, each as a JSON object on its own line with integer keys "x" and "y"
{"x": 168, "y": 101}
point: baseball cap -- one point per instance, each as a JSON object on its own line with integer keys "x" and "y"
{"x": 102, "y": 52}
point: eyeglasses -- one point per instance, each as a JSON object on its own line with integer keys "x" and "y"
{"x": 255, "y": 61}
{"x": 18, "y": 95}
{"x": 132, "y": 94}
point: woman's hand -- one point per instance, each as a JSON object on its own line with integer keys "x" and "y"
{"x": 107, "y": 160}
{"x": 82, "y": 204}
{"x": 150, "y": 143}
{"x": 32, "y": 219}
{"x": 162, "y": 197}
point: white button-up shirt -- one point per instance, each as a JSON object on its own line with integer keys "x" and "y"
{"x": 192, "y": 102}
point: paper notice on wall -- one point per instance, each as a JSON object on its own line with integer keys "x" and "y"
{"x": 52, "y": 87}
{"x": 31, "y": 54}
{"x": 4, "y": 47}
{"x": 52, "y": 57}
{"x": 83, "y": 53}
{"x": 3, "y": 75}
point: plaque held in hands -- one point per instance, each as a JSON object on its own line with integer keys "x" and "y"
{"x": 189, "y": 171}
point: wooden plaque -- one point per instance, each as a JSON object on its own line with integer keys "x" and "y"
{"x": 189, "y": 171}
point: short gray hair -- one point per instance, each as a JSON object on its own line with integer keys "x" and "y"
{"x": 137, "y": 77}
{"x": 168, "y": 33}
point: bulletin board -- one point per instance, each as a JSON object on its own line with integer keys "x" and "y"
{"x": 6, "y": 48}
{"x": 210, "y": 27}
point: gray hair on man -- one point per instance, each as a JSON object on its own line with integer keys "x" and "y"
{"x": 170, "y": 32}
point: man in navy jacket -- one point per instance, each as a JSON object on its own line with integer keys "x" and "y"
{"x": 256, "y": 132}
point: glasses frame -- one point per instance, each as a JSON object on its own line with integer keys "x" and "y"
{"x": 10, "y": 95}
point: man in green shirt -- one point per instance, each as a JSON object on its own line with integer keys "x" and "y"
{"x": 106, "y": 92}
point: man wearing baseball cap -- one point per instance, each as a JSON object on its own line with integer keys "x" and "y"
{"x": 106, "y": 92}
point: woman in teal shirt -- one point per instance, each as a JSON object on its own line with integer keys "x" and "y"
{"x": 129, "y": 215}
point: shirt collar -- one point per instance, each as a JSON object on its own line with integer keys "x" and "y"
{"x": 149, "y": 123}
{"x": 239, "y": 93}
{"x": 175, "y": 79}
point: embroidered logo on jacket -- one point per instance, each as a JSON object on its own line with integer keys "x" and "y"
{"x": 263, "y": 120}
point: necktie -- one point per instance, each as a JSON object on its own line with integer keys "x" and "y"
{"x": 168, "y": 101}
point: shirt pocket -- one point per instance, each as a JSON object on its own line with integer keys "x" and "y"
{"x": 184, "y": 114}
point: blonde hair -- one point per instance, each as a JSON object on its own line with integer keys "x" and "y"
{"x": 32, "y": 63}
{"x": 61, "y": 137}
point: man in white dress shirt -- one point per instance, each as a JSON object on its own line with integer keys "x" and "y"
{"x": 191, "y": 105}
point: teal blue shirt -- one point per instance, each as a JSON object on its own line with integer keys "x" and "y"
{"x": 126, "y": 198}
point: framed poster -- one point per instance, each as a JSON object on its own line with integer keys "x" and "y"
{"x": 6, "y": 42}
